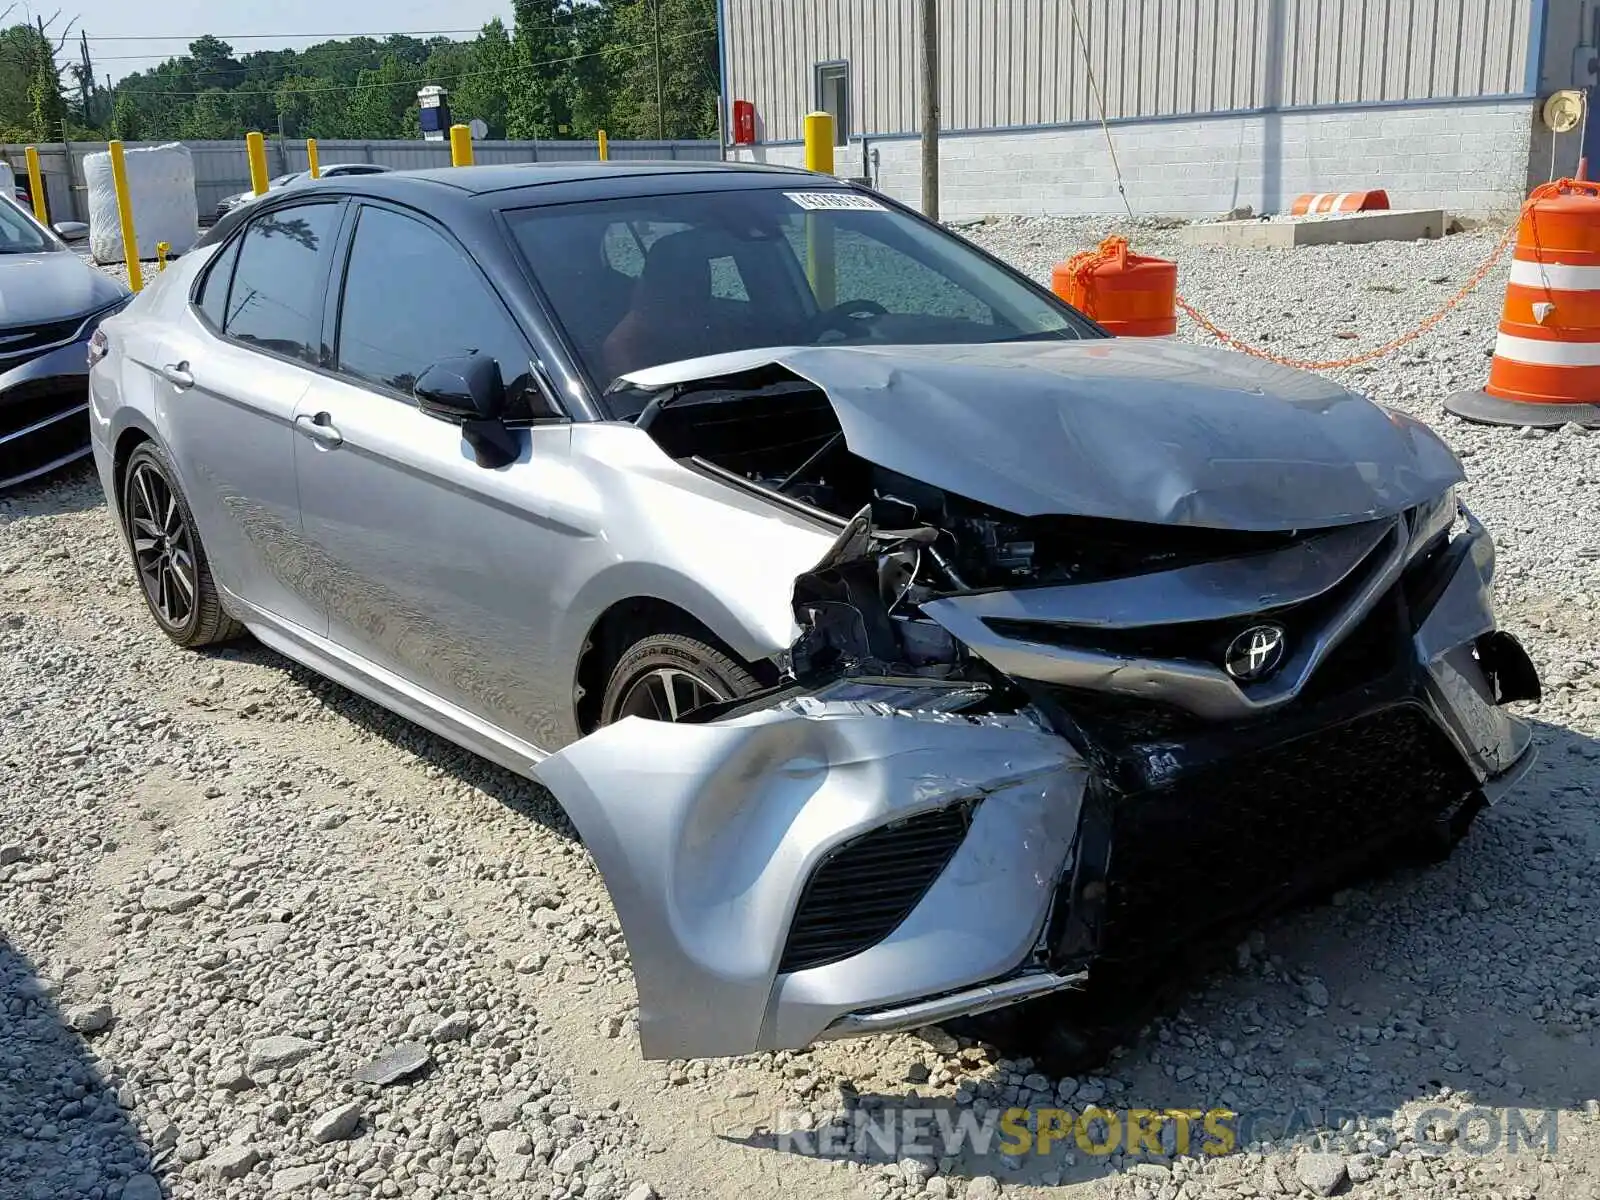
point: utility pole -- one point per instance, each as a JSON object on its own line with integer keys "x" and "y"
{"x": 85, "y": 78}
{"x": 930, "y": 109}
{"x": 661, "y": 101}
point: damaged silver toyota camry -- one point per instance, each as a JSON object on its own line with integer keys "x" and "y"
{"x": 901, "y": 646}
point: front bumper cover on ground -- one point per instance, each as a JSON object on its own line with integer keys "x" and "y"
{"x": 835, "y": 866}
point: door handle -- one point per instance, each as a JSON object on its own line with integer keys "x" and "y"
{"x": 177, "y": 374}
{"x": 319, "y": 429}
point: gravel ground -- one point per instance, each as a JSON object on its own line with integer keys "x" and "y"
{"x": 261, "y": 937}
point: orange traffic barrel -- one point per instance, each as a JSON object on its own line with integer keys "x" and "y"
{"x": 1132, "y": 295}
{"x": 1337, "y": 202}
{"x": 1546, "y": 368}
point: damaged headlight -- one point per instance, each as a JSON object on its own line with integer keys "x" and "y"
{"x": 1436, "y": 521}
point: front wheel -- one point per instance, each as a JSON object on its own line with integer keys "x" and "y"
{"x": 665, "y": 676}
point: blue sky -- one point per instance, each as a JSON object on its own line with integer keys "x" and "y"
{"x": 119, "y": 19}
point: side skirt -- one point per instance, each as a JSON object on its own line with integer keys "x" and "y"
{"x": 387, "y": 689}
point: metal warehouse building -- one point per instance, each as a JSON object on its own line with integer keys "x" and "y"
{"x": 1212, "y": 104}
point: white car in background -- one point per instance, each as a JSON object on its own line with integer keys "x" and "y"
{"x": 228, "y": 203}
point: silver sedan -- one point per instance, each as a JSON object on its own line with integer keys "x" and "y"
{"x": 902, "y": 646}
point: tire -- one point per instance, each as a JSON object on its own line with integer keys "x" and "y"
{"x": 168, "y": 560}
{"x": 662, "y": 676}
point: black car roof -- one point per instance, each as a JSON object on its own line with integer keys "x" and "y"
{"x": 514, "y": 185}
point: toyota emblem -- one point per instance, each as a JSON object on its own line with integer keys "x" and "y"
{"x": 1255, "y": 653}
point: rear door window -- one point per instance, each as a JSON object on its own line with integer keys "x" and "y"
{"x": 212, "y": 300}
{"x": 276, "y": 300}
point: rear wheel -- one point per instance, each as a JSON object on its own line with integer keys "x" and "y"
{"x": 168, "y": 558}
{"x": 665, "y": 676}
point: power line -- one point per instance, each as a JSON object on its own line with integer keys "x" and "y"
{"x": 240, "y": 37}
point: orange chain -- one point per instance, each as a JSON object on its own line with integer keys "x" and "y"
{"x": 1082, "y": 265}
{"x": 1388, "y": 347}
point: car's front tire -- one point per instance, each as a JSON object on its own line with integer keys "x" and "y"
{"x": 664, "y": 676}
{"x": 168, "y": 560}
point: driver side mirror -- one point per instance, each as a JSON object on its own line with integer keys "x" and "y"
{"x": 461, "y": 389}
{"x": 71, "y": 231}
{"x": 470, "y": 393}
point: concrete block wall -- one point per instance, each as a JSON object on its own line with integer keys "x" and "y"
{"x": 1471, "y": 159}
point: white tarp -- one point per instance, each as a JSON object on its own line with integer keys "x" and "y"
{"x": 161, "y": 187}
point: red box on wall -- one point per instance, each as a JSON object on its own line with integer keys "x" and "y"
{"x": 744, "y": 123}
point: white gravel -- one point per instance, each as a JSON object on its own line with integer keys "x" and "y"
{"x": 228, "y": 888}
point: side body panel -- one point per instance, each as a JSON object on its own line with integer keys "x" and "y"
{"x": 231, "y": 437}
{"x": 435, "y": 569}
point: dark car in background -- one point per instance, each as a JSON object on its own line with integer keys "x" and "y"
{"x": 51, "y": 302}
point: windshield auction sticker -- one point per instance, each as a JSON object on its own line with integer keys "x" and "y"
{"x": 816, "y": 201}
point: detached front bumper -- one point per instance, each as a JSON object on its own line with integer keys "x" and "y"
{"x": 869, "y": 858}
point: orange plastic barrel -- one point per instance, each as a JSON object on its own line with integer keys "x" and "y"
{"x": 1546, "y": 368}
{"x": 1332, "y": 202}
{"x": 1132, "y": 295}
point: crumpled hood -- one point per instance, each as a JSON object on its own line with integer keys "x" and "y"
{"x": 1121, "y": 428}
{"x": 51, "y": 286}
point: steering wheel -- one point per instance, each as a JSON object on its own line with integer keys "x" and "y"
{"x": 850, "y": 317}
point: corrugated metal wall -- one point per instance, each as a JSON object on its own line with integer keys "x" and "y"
{"x": 1020, "y": 62}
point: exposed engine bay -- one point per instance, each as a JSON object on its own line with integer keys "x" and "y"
{"x": 903, "y": 542}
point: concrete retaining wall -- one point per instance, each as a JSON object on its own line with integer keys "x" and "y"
{"x": 1469, "y": 158}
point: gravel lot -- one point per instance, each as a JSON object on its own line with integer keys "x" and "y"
{"x": 261, "y": 937}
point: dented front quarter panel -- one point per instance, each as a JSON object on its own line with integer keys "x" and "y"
{"x": 706, "y": 834}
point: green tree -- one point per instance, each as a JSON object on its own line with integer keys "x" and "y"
{"x": 688, "y": 68}
{"x": 377, "y": 106}
{"x": 213, "y": 64}
{"x": 541, "y": 41}
{"x": 47, "y": 114}
{"x": 212, "y": 116}
{"x": 479, "y": 86}
{"x": 127, "y": 122}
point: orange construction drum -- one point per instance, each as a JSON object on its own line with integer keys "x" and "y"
{"x": 1337, "y": 202}
{"x": 1546, "y": 369}
{"x": 1132, "y": 295}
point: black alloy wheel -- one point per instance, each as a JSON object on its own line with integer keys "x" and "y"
{"x": 666, "y": 676}
{"x": 167, "y": 555}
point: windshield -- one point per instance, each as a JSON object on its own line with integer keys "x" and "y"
{"x": 19, "y": 234}
{"x": 655, "y": 279}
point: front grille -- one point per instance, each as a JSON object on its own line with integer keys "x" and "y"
{"x": 15, "y": 343}
{"x": 861, "y": 892}
{"x": 26, "y": 407}
{"x": 1253, "y": 832}
{"x": 20, "y": 455}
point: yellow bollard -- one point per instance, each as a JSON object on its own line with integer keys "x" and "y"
{"x": 130, "y": 240}
{"x": 36, "y": 187}
{"x": 460, "y": 146}
{"x": 162, "y": 250}
{"x": 605, "y": 146}
{"x": 821, "y": 266}
{"x": 819, "y": 142}
{"x": 257, "y": 147}
{"x": 311, "y": 158}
